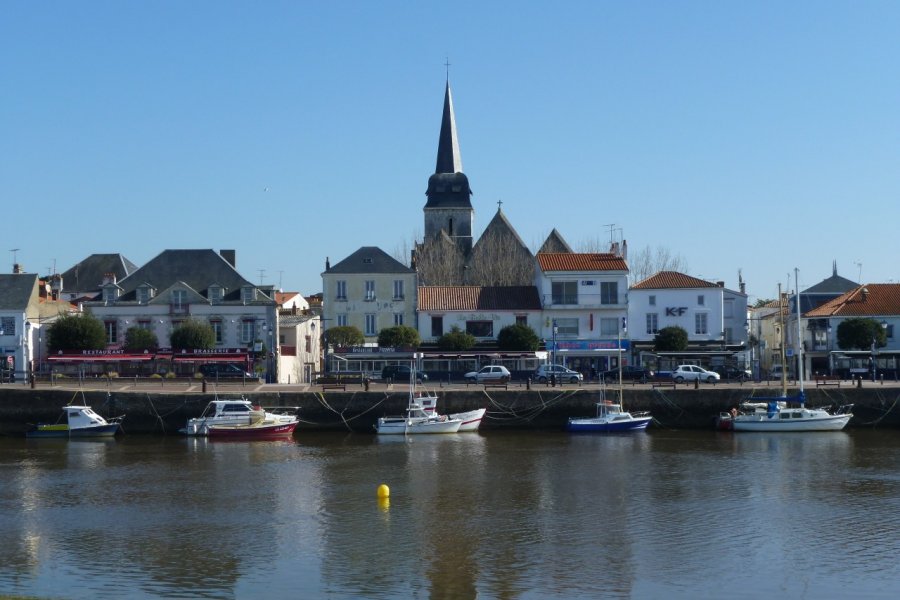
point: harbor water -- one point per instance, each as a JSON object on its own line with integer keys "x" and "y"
{"x": 660, "y": 514}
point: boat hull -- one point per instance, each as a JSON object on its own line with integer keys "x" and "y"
{"x": 829, "y": 423}
{"x": 471, "y": 420}
{"x": 63, "y": 431}
{"x": 607, "y": 426}
{"x": 251, "y": 432}
{"x": 389, "y": 426}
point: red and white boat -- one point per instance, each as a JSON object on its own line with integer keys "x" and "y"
{"x": 471, "y": 419}
{"x": 240, "y": 419}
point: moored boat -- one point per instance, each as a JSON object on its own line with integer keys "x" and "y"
{"x": 610, "y": 418}
{"x": 777, "y": 414}
{"x": 421, "y": 415}
{"x": 81, "y": 421}
{"x": 471, "y": 419}
{"x": 240, "y": 419}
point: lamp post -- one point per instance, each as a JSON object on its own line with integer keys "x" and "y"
{"x": 553, "y": 353}
{"x": 875, "y": 353}
{"x": 830, "y": 348}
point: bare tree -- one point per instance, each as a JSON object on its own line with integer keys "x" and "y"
{"x": 439, "y": 261}
{"x": 648, "y": 261}
{"x": 499, "y": 258}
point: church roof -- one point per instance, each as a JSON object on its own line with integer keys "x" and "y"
{"x": 672, "y": 280}
{"x": 500, "y": 225}
{"x": 369, "y": 259}
{"x": 472, "y": 297}
{"x": 870, "y": 300}
{"x": 833, "y": 285}
{"x": 448, "y": 187}
{"x": 577, "y": 261}
{"x": 555, "y": 243}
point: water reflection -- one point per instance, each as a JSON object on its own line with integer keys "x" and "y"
{"x": 500, "y": 515}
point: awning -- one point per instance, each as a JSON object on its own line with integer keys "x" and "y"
{"x": 210, "y": 358}
{"x": 91, "y": 358}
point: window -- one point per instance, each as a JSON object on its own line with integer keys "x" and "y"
{"x": 437, "y": 326}
{"x": 652, "y": 300}
{"x": 652, "y": 323}
{"x": 728, "y": 335}
{"x": 728, "y": 308}
{"x": 398, "y": 289}
{"x": 398, "y": 319}
{"x": 341, "y": 290}
{"x": 7, "y": 326}
{"x": 216, "y": 325}
{"x": 370, "y": 324}
{"x": 480, "y": 328}
{"x": 609, "y": 292}
{"x": 143, "y": 294}
{"x": 112, "y": 331}
{"x": 568, "y": 326}
{"x": 370, "y": 289}
{"x": 248, "y": 294}
{"x": 109, "y": 294}
{"x": 522, "y": 320}
{"x": 700, "y": 324}
{"x": 309, "y": 343}
{"x": 565, "y": 292}
{"x": 145, "y": 324}
{"x": 215, "y": 294}
{"x": 179, "y": 298}
{"x": 609, "y": 326}
{"x": 247, "y": 331}
{"x": 701, "y": 300}
{"x": 342, "y": 320}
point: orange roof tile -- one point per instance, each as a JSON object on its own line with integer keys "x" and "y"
{"x": 872, "y": 299}
{"x": 573, "y": 261}
{"x": 471, "y": 297}
{"x": 670, "y": 280}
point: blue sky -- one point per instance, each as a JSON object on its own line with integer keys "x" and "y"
{"x": 759, "y": 136}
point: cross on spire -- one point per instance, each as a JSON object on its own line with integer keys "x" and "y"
{"x": 447, "y": 65}
{"x": 499, "y": 204}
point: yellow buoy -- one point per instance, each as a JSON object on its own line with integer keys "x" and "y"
{"x": 383, "y": 491}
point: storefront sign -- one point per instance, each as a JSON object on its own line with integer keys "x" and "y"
{"x": 675, "y": 311}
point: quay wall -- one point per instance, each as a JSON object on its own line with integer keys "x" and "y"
{"x": 538, "y": 408}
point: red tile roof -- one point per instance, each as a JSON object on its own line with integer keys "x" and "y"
{"x": 670, "y": 280}
{"x": 572, "y": 261}
{"x": 471, "y": 297}
{"x": 870, "y": 300}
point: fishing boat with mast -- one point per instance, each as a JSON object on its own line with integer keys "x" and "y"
{"x": 786, "y": 413}
{"x": 421, "y": 415}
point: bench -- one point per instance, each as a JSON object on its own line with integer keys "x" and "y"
{"x": 666, "y": 384}
{"x": 496, "y": 384}
{"x": 334, "y": 386}
{"x": 827, "y": 380}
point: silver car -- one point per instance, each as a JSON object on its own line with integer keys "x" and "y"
{"x": 694, "y": 373}
{"x": 489, "y": 373}
{"x": 544, "y": 372}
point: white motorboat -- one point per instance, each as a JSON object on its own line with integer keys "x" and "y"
{"x": 420, "y": 417}
{"x": 471, "y": 419}
{"x": 238, "y": 416}
{"x": 81, "y": 421}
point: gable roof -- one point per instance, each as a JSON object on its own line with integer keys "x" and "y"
{"x": 870, "y": 300}
{"x": 832, "y": 285}
{"x": 87, "y": 275}
{"x": 471, "y": 297}
{"x": 500, "y": 226}
{"x": 18, "y": 290}
{"x": 197, "y": 269}
{"x": 555, "y": 243}
{"x": 578, "y": 261}
{"x": 672, "y": 280}
{"x": 369, "y": 259}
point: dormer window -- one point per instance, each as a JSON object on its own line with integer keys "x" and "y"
{"x": 144, "y": 293}
{"x": 215, "y": 294}
{"x": 248, "y": 294}
{"x": 110, "y": 293}
{"x": 179, "y": 298}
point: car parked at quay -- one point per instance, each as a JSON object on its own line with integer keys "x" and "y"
{"x": 400, "y": 374}
{"x": 544, "y": 373}
{"x": 694, "y": 373}
{"x": 224, "y": 370}
{"x": 490, "y": 373}
{"x": 629, "y": 373}
{"x": 733, "y": 373}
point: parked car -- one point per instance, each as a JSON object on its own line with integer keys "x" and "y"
{"x": 224, "y": 370}
{"x": 733, "y": 373}
{"x": 694, "y": 373}
{"x": 400, "y": 374}
{"x": 775, "y": 372}
{"x": 492, "y": 373}
{"x": 629, "y": 373}
{"x": 544, "y": 372}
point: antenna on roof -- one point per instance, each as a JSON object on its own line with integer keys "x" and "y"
{"x": 858, "y": 277}
{"x": 262, "y": 275}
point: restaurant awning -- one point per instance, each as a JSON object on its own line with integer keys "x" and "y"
{"x": 90, "y": 358}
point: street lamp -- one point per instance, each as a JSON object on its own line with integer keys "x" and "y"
{"x": 553, "y": 353}
{"x": 830, "y": 348}
{"x": 875, "y": 353}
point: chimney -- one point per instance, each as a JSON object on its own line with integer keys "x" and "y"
{"x": 109, "y": 278}
{"x": 230, "y": 257}
{"x": 17, "y": 268}
{"x": 721, "y": 284}
{"x": 625, "y": 249}
{"x": 327, "y": 263}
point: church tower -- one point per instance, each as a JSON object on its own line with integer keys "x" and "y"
{"x": 449, "y": 207}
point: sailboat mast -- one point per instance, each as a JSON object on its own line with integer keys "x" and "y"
{"x": 781, "y": 341}
{"x": 799, "y": 334}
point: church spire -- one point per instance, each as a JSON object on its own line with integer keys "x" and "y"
{"x": 448, "y": 156}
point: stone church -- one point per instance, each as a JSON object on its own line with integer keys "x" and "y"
{"x": 448, "y": 254}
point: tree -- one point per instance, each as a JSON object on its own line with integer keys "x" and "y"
{"x": 439, "y": 261}
{"x": 76, "y": 332}
{"x": 401, "y": 336}
{"x": 518, "y": 337}
{"x": 858, "y": 333}
{"x": 649, "y": 261}
{"x": 500, "y": 259}
{"x": 138, "y": 339}
{"x": 345, "y": 336}
{"x": 670, "y": 339}
{"x": 456, "y": 339}
{"x": 193, "y": 335}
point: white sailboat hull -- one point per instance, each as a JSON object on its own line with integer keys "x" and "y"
{"x": 764, "y": 423}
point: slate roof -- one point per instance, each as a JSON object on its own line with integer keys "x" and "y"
{"x": 672, "y": 280}
{"x": 198, "y": 269}
{"x": 369, "y": 259}
{"x": 500, "y": 225}
{"x": 577, "y": 261}
{"x": 87, "y": 275}
{"x": 870, "y": 300}
{"x": 833, "y": 285}
{"x": 448, "y": 187}
{"x": 17, "y": 290}
{"x": 470, "y": 297}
